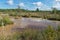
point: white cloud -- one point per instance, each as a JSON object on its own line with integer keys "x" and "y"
{"x": 38, "y": 4}
{"x": 41, "y": 6}
{"x": 57, "y": 0}
{"x": 57, "y": 5}
{"x": 10, "y": 2}
{"x": 21, "y": 4}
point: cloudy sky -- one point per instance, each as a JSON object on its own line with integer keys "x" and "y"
{"x": 30, "y": 4}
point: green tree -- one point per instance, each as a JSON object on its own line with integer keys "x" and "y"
{"x": 37, "y": 9}
{"x": 54, "y": 10}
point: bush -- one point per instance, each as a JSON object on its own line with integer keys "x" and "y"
{"x": 0, "y": 22}
{"x": 6, "y": 21}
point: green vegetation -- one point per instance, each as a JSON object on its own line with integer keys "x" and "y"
{"x": 54, "y": 14}
{"x": 5, "y": 21}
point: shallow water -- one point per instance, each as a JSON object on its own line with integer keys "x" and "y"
{"x": 34, "y": 23}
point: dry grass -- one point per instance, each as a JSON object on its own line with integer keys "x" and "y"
{"x": 6, "y": 30}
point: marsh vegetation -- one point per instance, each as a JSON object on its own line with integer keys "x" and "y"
{"x": 28, "y": 25}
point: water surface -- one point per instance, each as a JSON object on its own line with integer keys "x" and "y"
{"x": 34, "y": 23}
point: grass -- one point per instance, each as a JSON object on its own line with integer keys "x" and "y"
{"x": 29, "y": 34}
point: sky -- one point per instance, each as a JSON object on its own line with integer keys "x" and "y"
{"x": 30, "y": 4}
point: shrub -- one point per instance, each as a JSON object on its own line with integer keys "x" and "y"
{"x": 6, "y": 21}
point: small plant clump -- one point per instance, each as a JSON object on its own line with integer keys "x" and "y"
{"x": 5, "y": 21}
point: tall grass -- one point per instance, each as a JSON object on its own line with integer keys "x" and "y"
{"x": 48, "y": 34}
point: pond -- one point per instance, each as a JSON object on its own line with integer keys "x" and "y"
{"x": 34, "y": 23}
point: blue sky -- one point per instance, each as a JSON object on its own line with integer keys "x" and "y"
{"x": 30, "y": 4}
